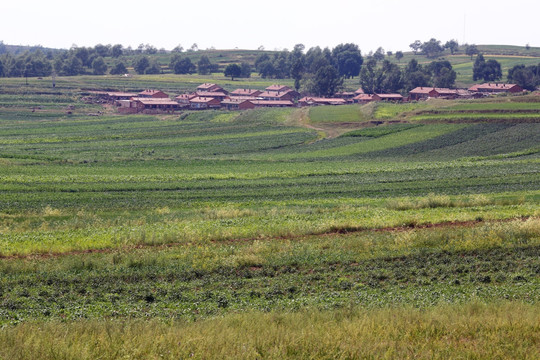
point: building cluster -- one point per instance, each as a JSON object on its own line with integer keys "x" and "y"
{"x": 212, "y": 96}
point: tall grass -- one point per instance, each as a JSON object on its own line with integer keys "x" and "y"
{"x": 497, "y": 331}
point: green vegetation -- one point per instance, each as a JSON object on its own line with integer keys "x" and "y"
{"x": 185, "y": 230}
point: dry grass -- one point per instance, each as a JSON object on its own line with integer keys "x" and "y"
{"x": 479, "y": 331}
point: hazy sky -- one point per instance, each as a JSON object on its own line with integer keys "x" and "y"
{"x": 276, "y": 24}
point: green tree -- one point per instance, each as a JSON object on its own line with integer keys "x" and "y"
{"x": 492, "y": 70}
{"x": 379, "y": 54}
{"x": 117, "y": 51}
{"x": 327, "y": 81}
{"x": 478, "y": 67}
{"x": 471, "y": 50}
{"x": 452, "y": 45}
{"x": 184, "y": 66}
{"x": 399, "y": 55}
{"x": 347, "y": 59}
{"x": 416, "y": 46}
{"x": 102, "y": 50}
{"x": 442, "y": 74}
{"x": 371, "y": 77}
{"x": 528, "y": 77}
{"x": 432, "y": 48}
{"x": 72, "y": 66}
{"x": 1, "y": 68}
{"x": 141, "y": 64}
{"x": 119, "y": 68}
{"x": 246, "y": 70}
{"x": 99, "y": 66}
{"x": 153, "y": 69}
{"x": 392, "y": 79}
{"x": 414, "y": 75}
{"x": 204, "y": 66}
{"x": 233, "y": 70}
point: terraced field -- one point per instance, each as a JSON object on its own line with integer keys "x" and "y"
{"x": 203, "y": 220}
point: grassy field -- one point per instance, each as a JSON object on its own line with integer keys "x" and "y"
{"x": 413, "y": 232}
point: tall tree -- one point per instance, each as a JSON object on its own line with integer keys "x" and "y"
{"x": 99, "y": 67}
{"x": 204, "y": 66}
{"x": 348, "y": 59}
{"x": 141, "y": 64}
{"x": 233, "y": 70}
{"x": 452, "y": 45}
{"x": 379, "y": 54}
{"x": 399, "y": 55}
{"x": 528, "y": 77}
{"x": 327, "y": 81}
{"x": 184, "y": 66}
{"x": 478, "y": 67}
{"x": 246, "y": 70}
{"x": 371, "y": 77}
{"x": 117, "y": 51}
{"x": 119, "y": 68}
{"x": 432, "y": 48}
{"x": 471, "y": 50}
{"x": 416, "y": 46}
{"x": 492, "y": 70}
{"x": 442, "y": 74}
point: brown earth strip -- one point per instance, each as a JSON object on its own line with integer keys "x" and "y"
{"x": 446, "y": 224}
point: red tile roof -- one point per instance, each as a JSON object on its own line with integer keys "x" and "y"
{"x": 494, "y": 86}
{"x": 272, "y": 102}
{"x": 202, "y": 99}
{"x": 207, "y": 86}
{"x": 363, "y": 97}
{"x": 210, "y": 94}
{"x": 359, "y": 91}
{"x": 151, "y": 93}
{"x": 278, "y": 88}
{"x": 245, "y": 92}
{"x": 155, "y": 101}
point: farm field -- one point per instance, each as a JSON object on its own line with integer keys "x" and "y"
{"x": 340, "y": 232}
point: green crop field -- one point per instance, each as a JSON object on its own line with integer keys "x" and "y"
{"x": 376, "y": 231}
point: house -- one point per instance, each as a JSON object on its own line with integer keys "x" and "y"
{"x": 359, "y": 91}
{"x": 115, "y": 96}
{"x": 200, "y": 103}
{"x": 272, "y": 103}
{"x": 387, "y": 97}
{"x": 157, "y": 94}
{"x": 147, "y": 105}
{"x": 215, "y": 94}
{"x": 279, "y": 95}
{"x": 309, "y": 101}
{"x": 237, "y": 104}
{"x": 424, "y": 92}
{"x": 346, "y": 95}
{"x": 496, "y": 88}
{"x": 363, "y": 98}
{"x": 211, "y": 87}
{"x": 278, "y": 88}
{"x": 245, "y": 92}
{"x": 183, "y": 99}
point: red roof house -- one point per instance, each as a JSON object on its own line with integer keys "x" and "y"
{"x": 237, "y": 104}
{"x": 278, "y": 88}
{"x": 246, "y": 92}
{"x": 496, "y": 88}
{"x": 201, "y": 103}
{"x": 279, "y": 95}
{"x": 387, "y": 97}
{"x": 210, "y": 87}
{"x": 152, "y": 94}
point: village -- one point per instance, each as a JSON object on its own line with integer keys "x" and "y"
{"x": 212, "y": 96}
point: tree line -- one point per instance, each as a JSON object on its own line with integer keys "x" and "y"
{"x": 316, "y": 70}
